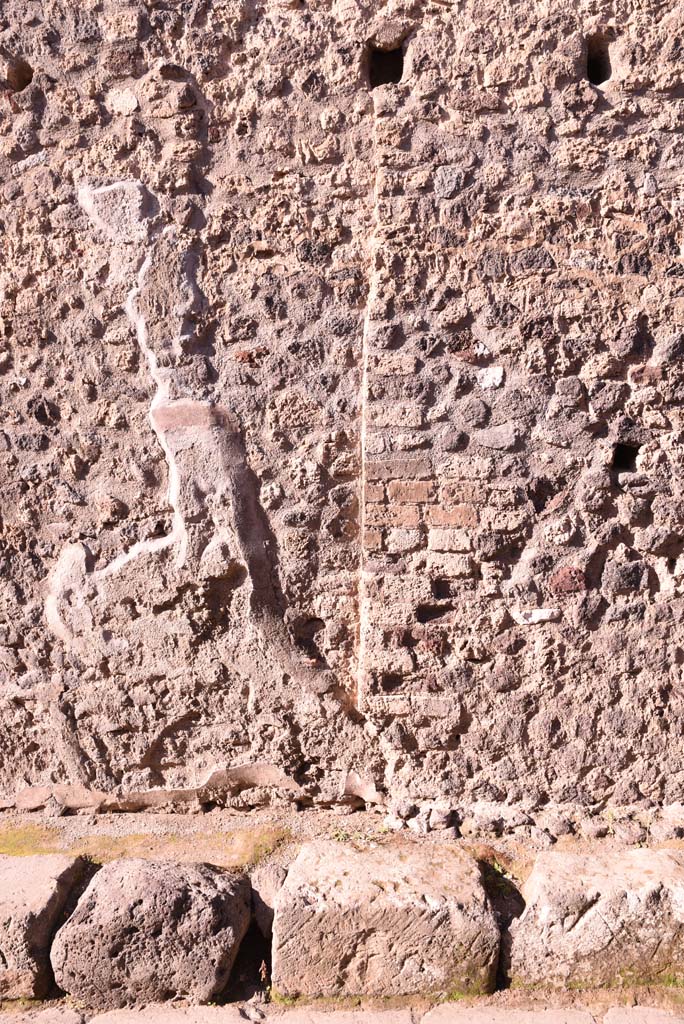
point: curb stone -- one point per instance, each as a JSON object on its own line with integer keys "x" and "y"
{"x": 33, "y": 893}
{"x": 387, "y": 920}
{"x": 592, "y": 921}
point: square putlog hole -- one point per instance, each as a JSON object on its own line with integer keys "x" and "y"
{"x": 599, "y": 69}
{"x": 385, "y": 67}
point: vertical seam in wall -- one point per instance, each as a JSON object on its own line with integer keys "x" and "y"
{"x": 370, "y": 297}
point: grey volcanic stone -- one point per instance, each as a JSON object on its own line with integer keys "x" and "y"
{"x": 33, "y": 891}
{"x": 389, "y": 920}
{"x": 146, "y": 931}
{"x": 594, "y": 920}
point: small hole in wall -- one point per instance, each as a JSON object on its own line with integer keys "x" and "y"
{"x": 598, "y": 60}
{"x": 306, "y": 636}
{"x": 19, "y": 74}
{"x": 624, "y": 458}
{"x": 390, "y": 681}
{"x": 441, "y": 589}
{"x": 385, "y": 67}
{"x": 173, "y": 72}
{"x": 430, "y": 612}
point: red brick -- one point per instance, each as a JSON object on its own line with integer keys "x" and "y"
{"x": 507, "y": 497}
{"x": 394, "y": 364}
{"x": 392, "y": 515}
{"x": 460, "y": 468}
{"x": 459, "y": 515}
{"x": 397, "y": 414}
{"x": 372, "y": 540}
{"x": 401, "y": 540}
{"x": 568, "y": 580}
{"x": 374, "y": 492}
{"x": 503, "y": 521}
{"x": 399, "y": 469}
{"x": 411, "y": 491}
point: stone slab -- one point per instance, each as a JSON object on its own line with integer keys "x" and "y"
{"x": 641, "y": 1015}
{"x": 50, "y": 1015}
{"x": 164, "y": 1014}
{"x": 449, "y": 1014}
{"x": 601, "y": 919}
{"x": 388, "y": 920}
{"x": 33, "y": 892}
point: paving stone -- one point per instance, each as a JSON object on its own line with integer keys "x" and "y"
{"x": 163, "y": 1014}
{"x": 594, "y": 920}
{"x": 448, "y": 1014}
{"x": 33, "y": 892}
{"x": 389, "y": 920}
{"x": 50, "y": 1015}
{"x": 641, "y": 1015}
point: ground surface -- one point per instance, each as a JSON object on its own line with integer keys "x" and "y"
{"x": 634, "y": 1007}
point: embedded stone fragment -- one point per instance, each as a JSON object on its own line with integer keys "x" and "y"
{"x": 33, "y": 892}
{"x": 146, "y": 931}
{"x": 122, "y": 101}
{"x": 534, "y": 616}
{"x": 503, "y": 437}
{"x": 389, "y": 920}
{"x": 119, "y": 210}
{"x": 601, "y": 919}
{"x": 448, "y": 181}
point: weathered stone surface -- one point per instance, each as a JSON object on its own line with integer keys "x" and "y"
{"x": 386, "y": 920}
{"x": 33, "y": 893}
{"x": 146, "y": 931}
{"x": 601, "y": 919}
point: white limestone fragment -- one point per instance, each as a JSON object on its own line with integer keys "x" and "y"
{"x": 534, "y": 616}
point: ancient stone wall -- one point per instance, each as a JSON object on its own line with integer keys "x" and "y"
{"x": 341, "y": 376}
